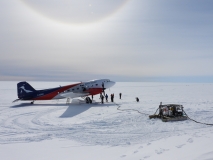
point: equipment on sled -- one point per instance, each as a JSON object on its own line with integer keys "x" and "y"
{"x": 170, "y": 112}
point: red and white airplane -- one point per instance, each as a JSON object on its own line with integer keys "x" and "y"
{"x": 27, "y": 93}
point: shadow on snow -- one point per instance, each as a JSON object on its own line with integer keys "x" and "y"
{"x": 74, "y": 110}
{"x": 33, "y": 105}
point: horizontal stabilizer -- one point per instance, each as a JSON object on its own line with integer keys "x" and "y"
{"x": 16, "y": 100}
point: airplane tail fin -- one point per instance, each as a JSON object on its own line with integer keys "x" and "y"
{"x": 24, "y": 90}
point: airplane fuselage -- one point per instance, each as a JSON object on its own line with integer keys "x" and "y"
{"x": 93, "y": 87}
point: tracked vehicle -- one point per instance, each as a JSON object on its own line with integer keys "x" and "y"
{"x": 170, "y": 112}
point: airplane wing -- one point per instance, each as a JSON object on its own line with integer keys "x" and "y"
{"x": 73, "y": 94}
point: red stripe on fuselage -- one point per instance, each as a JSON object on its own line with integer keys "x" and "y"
{"x": 94, "y": 91}
{"x": 55, "y": 93}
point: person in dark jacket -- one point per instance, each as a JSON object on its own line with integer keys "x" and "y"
{"x": 106, "y": 96}
{"x": 120, "y": 95}
{"x": 102, "y": 99}
{"x": 113, "y": 97}
{"x": 137, "y": 99}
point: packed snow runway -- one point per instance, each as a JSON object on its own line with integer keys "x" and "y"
{"x": 113, "y": 133}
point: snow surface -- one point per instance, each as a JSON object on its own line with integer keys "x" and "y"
{"x": 56, "y": 130}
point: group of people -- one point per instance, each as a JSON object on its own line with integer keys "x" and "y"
{"x": 106, "y": 97}
{"x": 112, "y": 97}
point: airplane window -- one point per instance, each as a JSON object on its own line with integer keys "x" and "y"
{"x": 77, "y": 88}
{"x": 96, "y": 84}
{"x": 73, "y": 89}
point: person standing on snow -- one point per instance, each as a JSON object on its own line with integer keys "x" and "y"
{"x": 113, "y": 97}
{"x": 120, "y": 95}
{"x": 102, "y": 99}
{"x": 106, "y": 96}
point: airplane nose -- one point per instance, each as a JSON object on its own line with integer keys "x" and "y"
{"x": 109, "y": 84}
{"x": 112, "y": 83}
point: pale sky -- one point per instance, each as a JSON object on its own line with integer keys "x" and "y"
{"x": 123, "y": 40}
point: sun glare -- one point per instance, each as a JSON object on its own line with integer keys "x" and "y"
{"x": 75, "y": 12}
